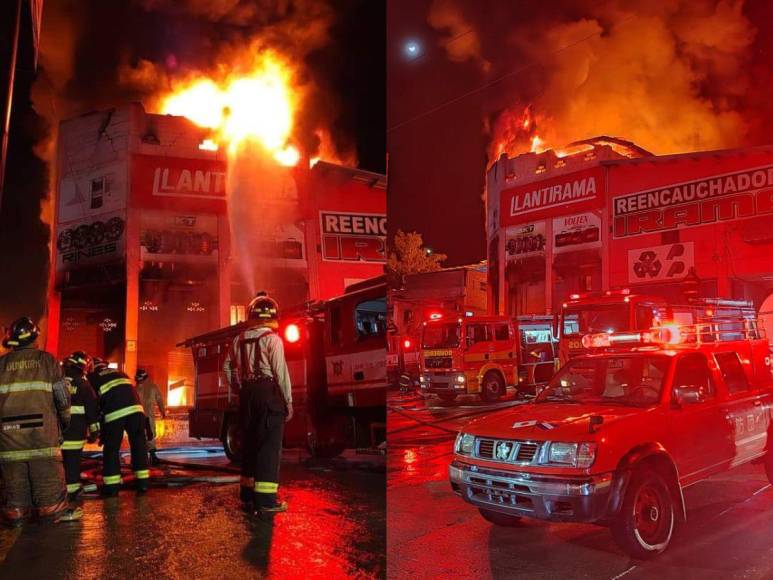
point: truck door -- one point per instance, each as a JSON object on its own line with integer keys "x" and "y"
{"x": 701, "y": 435}
{"x": 745, "y": 411}
{"x": 477, "y": 350}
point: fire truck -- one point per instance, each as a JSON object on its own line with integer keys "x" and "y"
{"x": 623, "y": 310}
{"x": 618, "y": 433}
{"x": 336, "y": 355}
{"x": 484, "y": 355}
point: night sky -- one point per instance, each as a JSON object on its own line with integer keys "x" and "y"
{"x": 87, "y": 46}
{"x": 441, "y": 107}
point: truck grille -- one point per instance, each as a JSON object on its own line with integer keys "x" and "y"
{"x": 437, "y": 362}
{"x": 506, "y": 450}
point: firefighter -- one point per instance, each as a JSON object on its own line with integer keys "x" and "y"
{"x": 150, "y": 396}
{"x": 121, "y": 411}
{"x": 34, "y": 408}
{"x": 84, "y": 421}
{"x": 256, "y": 362}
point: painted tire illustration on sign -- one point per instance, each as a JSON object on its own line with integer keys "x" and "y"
{"x": 114, "y": 229}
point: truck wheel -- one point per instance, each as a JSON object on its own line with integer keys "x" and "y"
{"x": 322, "y": 449}
{"x": 492, "y": 387}
{"x": 232, "y": 439}
{"x": 447, "y": 397}
{"x": 645, "y": 524}
{"x": 498, "y": 519}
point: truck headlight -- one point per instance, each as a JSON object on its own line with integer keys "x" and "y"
{"x": 464, "y": 443}
{"x": 422, "y": 379}
{"x": 574, "y": 454}
{"x": 460, "y": 379}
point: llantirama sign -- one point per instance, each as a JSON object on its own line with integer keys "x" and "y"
{"x": 545, "y": 198}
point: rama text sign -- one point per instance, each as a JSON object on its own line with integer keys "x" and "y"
{"x": 732, "y": 196}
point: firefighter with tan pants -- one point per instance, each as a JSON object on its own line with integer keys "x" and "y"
{"x": 34, "y": 409}
{"x": 256, "y": 362}
{"x": 150, "y": 397}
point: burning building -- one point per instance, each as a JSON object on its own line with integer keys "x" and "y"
{"x": 604, "y": 214}
{"x": 160, "y": 234}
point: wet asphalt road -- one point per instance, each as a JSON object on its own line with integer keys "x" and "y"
{"x": 333, "y": 529}
{"x": 432, "y": 532}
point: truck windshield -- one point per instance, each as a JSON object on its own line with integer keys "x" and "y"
{"x": 601, "y": 318}
{"x": 615, "y": 380}
{"x": 442, "y": 335}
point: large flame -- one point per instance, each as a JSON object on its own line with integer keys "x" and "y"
{"x": 258, "y": 105}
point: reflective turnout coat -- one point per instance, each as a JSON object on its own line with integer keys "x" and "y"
{"x": 34, "y": 405}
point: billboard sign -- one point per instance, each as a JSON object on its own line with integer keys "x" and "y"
{"x": 576, "y": 232}
{"x": 178, "y": 237}
{"x": 524, "y": 241}
{"x": 177, "y": 183}
{"x": 569, "y": 192}
{"x": 97, "y": 190}
{"x": 732, "y": 196}
{"x": 670, "y": 262}
{"x": 90, "y": 241}
{"x": 353, "y": 237}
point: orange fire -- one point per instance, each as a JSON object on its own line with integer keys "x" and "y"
{"x": 259, "y": 104}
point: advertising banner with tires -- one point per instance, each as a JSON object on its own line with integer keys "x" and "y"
{"x": 178, "y": 237}
{"x": 90, "y": 241}
{"x": 576, "y": 232}
{"x": 525, "y": 241}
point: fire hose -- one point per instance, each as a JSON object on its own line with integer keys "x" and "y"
{"x": 91, "y": 472}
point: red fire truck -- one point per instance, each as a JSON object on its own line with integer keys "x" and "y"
{"x": 618, "y": 434}
{"x": 336, "y": 354}
{"x": 484, "y": 355}
{"x": 623, "y": 310}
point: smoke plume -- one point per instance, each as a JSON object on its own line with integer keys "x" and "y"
{"x": 458, "y": 38}
{"x": 671, "y": 76}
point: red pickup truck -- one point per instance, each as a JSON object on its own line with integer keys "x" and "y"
{"x": 619, "y": 433}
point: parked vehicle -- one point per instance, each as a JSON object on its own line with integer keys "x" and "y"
{"x": 619, "y": 433}
{"x": 336, "y": 354}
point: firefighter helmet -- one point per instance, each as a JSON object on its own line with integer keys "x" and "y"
{"x": 22, "y": 332}
{"x": 263, "y": 308}
{"x": 79, "y": 360}
{"x": 98, "y": 364}
{"x": 140, "y": 375}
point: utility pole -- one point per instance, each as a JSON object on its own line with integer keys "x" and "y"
{"x": 9, "y": 97}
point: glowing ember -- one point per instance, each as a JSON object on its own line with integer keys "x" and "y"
{"x": 536, "y": 145}
{"x": 258, "y": 105}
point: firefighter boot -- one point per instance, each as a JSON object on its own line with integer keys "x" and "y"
{"x": 278, "y": 507}
{"x": 72, "y": 514}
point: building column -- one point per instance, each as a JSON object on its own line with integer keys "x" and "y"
{"x": 133, "y": 265}
{"x": 224, "y": 270}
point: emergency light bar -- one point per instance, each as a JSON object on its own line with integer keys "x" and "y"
{"x": 620, "y": 292}
{"x": 671, "y": 333}
{"x": 435, "y": 316}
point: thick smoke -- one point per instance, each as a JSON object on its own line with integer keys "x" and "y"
{"x": 671, "y": 76}
{"x": 458, "y": 38}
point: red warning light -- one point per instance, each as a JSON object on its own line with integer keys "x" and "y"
{"x": 435, "y": 316}
{"x": 292, "y": 333}
{"x": 407, "y": 343}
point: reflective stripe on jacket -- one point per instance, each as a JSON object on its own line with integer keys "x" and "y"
{"x": 30, "y": 421}
{"x": 116, "y": 393}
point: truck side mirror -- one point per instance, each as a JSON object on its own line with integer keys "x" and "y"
{"x": 687, "y": 395}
